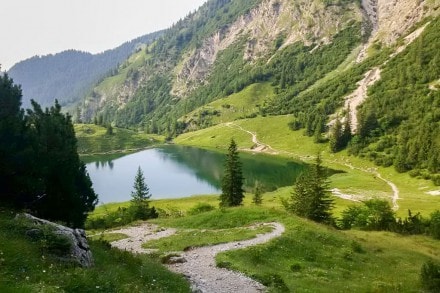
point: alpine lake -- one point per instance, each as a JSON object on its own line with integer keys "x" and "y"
{"x": 173, "y": 171}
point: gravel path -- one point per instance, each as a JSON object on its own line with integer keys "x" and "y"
{"x": 205, "y": 277}
{"x": 138, "y": 235}
{"x": 199, "y": 263}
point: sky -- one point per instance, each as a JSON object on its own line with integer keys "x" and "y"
{"x": 40, "y": 27}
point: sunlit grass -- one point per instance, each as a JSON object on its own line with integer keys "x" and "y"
{"x": 359, "y": 180}
{"x": 92, "y": 139}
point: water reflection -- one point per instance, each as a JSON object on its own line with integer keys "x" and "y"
{"x": 176, "y": 171}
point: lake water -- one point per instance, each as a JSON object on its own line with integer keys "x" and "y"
{"x": 177, "y": 171}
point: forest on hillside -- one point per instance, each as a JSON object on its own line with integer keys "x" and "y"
{"x": 69, "y": 75}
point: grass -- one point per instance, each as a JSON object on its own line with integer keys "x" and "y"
{"x": 109, "y": 237}
{"x": 313, "y": 258}
{"x": 238, "y": 105}
{"x": 197, "y": 238}
{"x": 359, "y": 181}
{"x": 25, "y": 267}
{"x": 92, "y": 139}
{"x": 308, "y": 257}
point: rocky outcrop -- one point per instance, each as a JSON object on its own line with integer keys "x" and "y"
{"x": 274, "y": 21}
{"x": 389, "y": 20}
{"x": 79, "y": 251}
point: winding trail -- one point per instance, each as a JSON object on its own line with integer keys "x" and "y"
{"x": 198, "y": 264}
{"x": 139, "y": 235}
{"x": 201, "y": 270}
{"x": 262, "y": 147}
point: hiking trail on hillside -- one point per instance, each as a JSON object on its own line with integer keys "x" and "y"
{"x": 266, "y": 148}
{"x": 198, "y": 264}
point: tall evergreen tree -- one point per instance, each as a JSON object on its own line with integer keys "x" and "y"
{"x": 336, "y": 136}
{"x": 140, "y": 203}
{"x": 311, "y": 197}
{"x": 258, "y": 194}
{"x": 63, "y": 189}
{"x": 12, "y": 142}
{"x": 141, "y": 191}
{"x": 232, "y": 181}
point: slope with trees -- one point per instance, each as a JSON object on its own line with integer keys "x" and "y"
{"x": 69, "y": 75}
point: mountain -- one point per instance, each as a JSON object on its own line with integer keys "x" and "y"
{"x": 69, "y": 75}
{"x": 371, "y": 65}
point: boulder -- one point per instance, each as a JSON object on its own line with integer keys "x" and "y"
{"x": 79, "y": 249}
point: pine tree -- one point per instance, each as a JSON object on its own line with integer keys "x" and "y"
{"x": 141, "y": 191}
{"x": 336, "y": 136}
{"x": 140, "y": 204}
{"x": 258, "y": 194}
{"x": 346, "y": 131}
{"x": 63, "y": 189}
{"x": 311, "y": 197}
{"x": 232, "y": 181}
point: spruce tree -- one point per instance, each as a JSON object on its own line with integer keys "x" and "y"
{"x": 141, "y": 191}
{"x": 311, "y": 197}
{"x": 232, "y": 181}
{"x": 336, "y": 137}
{"x": 258, "y": 194}
{"x": 140, "y": 203}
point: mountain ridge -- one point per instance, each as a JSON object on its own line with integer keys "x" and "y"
{"x": 68, "y": 75}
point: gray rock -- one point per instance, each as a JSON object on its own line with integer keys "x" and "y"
{"x": 80, "y": 250}
{"x": 176, "y": 260}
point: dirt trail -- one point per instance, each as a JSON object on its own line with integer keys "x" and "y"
{"x": 201, "y": 270}
{"x": 198, "y": 264}
{"x": 261, "y": 147}
{"x": 138, "y": 235}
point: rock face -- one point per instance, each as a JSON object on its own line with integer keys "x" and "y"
{"x": 79, "y": 252}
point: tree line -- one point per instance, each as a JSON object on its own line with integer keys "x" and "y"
{"x": 40, "y": 169}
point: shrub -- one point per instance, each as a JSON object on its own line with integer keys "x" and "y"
{"x": 201, "y": 207}
{"x": 374, "y": 214}
{"x": 430, "y": 276}
{"x": 413, "y": 224}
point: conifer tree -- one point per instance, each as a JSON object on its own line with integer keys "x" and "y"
{"x": 232, "y": 181}
{"x": 141, "y": 191}
{"x": 258, "y": 194}
{"x": 140, "y": 204}
{"x": 311, "y": 196}
{"x": 336, "y": 136}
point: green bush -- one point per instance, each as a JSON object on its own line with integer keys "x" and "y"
{"x": 430, "y": 276}
{"x": 201, "y": 207}
{"x": 374, "y": 214}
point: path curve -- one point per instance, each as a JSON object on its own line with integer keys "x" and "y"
{"x": 199, "y": 266}
{"x": 201, "y": 270}
{"x": 261, "y": 147}
{"x": 139, "y": 235}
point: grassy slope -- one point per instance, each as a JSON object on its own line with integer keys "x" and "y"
{"x": 24, "y": 267}
{"x": 313, "y": 258}
{"x": 92, "y": 139}
{"x": 238, "y": 105}
{"x": 274, "y": 131}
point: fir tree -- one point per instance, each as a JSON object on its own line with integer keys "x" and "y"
{"x": 232, "y": 181}
{"x": 258, "y": 194}
{"x": 141, "y": 191}
{"x": 311, "y": 197}
{"x": 336, "y": 136}
{"x": 140, "y": 204}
